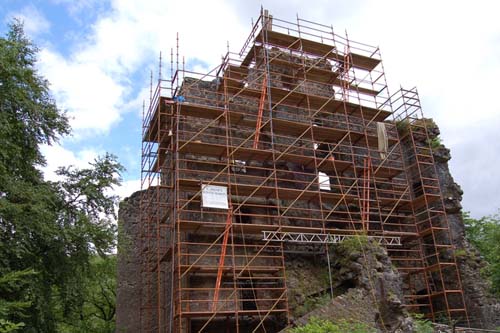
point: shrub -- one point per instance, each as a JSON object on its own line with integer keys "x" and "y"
{"x": 311, "y": 303}
{"x": 434, "y": 143}
{"x": 422, "y": 325}
{"x": 460, "y": 253}
{"x": 354, "y": 244}
{"x": 403, "y": 127}
{"x": 317, "y": 325}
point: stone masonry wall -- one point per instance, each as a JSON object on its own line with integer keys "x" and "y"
{"x": 128, "y": 296}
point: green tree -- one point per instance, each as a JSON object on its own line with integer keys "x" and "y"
{"x": 49, "y": 231}
{"x": 10, "y": 285}
{"x": 98, "y": 311}
{"x": 484, "y": 234}
{"x": 29, "y": 116}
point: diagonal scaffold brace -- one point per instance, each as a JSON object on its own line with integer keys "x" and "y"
{"x": 260, "y": 114}
{"x": 229, "y": 223}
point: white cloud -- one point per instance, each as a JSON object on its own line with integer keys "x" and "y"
{"x": 35, "y": 23}
{"x": 127, "y": 188}
{"x": 449, "y": 49}
{"x": 93, "y": 82}
{"x": 140, "y": 101}
{"x": 58, "y": 156}
{"x": 91, "y": 96}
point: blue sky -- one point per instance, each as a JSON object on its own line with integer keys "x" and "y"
{"x": 98, "y": 55}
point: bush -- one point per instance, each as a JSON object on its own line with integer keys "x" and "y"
{"x": 356, "y": 244}
{"x": 434, "y": 143}
{"x": 403, "y": 127}
{"x": 317, "y": 325}
{"x": 422, "y": 325}
{"x": 460, "y": 253}
{"x": 311, "y": 303}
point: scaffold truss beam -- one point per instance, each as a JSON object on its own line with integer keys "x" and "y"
{"x": 315, "y": 238}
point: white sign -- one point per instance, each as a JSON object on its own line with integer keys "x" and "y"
{"x": 324, "y": 181}
{"x": 214, "y": 196}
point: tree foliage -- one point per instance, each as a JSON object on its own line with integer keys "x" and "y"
{"x": 484, "y": 234}
{"x": 10, "y": 285}
{"x": 29, "y": 116}
{"x": 97, "y": 313}
{"x": 50, "y": 232}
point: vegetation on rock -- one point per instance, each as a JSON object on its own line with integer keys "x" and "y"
{"x": 422, "y": 325}
{"x": 317, "y": 325}
{"x": 310, "y": 303}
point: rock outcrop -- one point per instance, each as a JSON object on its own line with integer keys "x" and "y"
{"x": 366, "y": 286}
{"x": 483, "y": 309}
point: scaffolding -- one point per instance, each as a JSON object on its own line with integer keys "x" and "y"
{"x": 299, "y": 135}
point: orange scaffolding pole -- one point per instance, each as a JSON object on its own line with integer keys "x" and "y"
{"x": 365, "y": 214}
{"x": 261, "y": 111}
{"x": 229, "y": 222}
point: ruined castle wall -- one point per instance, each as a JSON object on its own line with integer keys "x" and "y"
{"x": 128, "y": 294}
{"x": 290, "y": 175}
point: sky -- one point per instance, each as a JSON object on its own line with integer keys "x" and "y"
{"x": 98, "y": 56}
